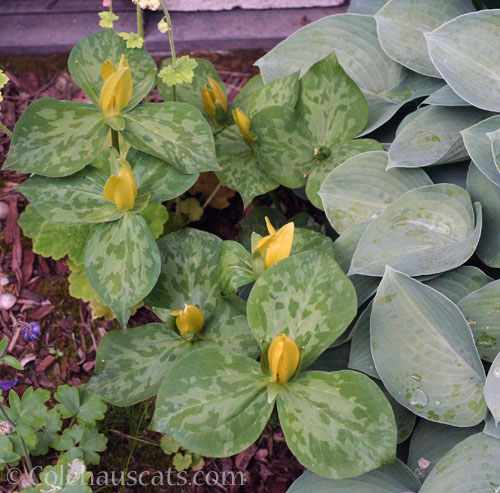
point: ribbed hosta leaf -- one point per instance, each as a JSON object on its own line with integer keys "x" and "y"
{"x": 434, "y": 371}
{"x": 360, "y": 189}
{"x": 492, "y": 389}
{"x": 445, "y": 96}
{"x": 464, "y": 51}
{"x": 428, "y": 230}
{"x": 366, "y": 7}
{"x": 433, "y": 137}
{"x": 401, "y": 25}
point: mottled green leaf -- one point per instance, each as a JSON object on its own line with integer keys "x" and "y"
{"x": 482, "y": 309}
{"x": 387, "y": 479}
{"x": 174, "y": 132}
{"x": 56, "y": 138}
{"x": 189, "y": 263}
{"x": 401, "y": 25}
{"x": 213, "y": 403}
{"x": 235, "y": 267}
{"x": 492, "y": 389}
{"x": 361, "y": 188}
{"x": 472, "y": 466}
{"x": 433, "y": 137}
{"x": 428, "y": 230}
{"x": 308, "y": 239}
{"x": 338, "y": 424}
{"x": 313, "y": 314}
{"x": 243, "y": 97}
{"x": 464, "y": 52}
{"x": 487, "y": 193}
{"x": 122, "y": 263}
{"x": 88, "y": 55}
{"x": 434, "y": 371}
{"x": 241, "y": 169}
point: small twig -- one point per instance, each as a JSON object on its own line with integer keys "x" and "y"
{"x": 211, "y": 196}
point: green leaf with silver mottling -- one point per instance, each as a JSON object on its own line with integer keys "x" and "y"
{"x": 322, "y": 169}
{"x": 482, "y": 310}
{"x": 243, "y": 97}
{"x": 213, "y": 402}
{"x": 464, "y": 52}
{"x": 456, "y": 284}
{"x": 387, "y": 479}
{"x": 280, "y": 92}
{"x": 189, "y": 265}
{"x": 56, "y": 138}
{"x": 158, "y": 179}
{"x": 241, "y": 169}
{"x": 445, "y": 96}
{"x": 344, "y": 248}
{"x": 436, "y": 371}
{"x": 313, "y": 314}
{"x": 401, "y": 25}
{"x": 122, "y": 263}
{"x": 433, "y": 137}
{"x": 428, "y": 230}
{"x": 308, "y": 239}
{"x": 431, "y": 441}
{"x": 492, "y": 389}
{"x": 235, "y": 267}
{"x": 88, "y": 55}
{"x": 487, "y": 193}
{"x": 478, "y": 145}
{"x": 191, "y": 93}
{"x": 472, "y": 466}
{"x": 338, "y": 424}
{"x": 73, "y": 199}
{"x": 174, "y": 132}
{"x": 361, "y": 188}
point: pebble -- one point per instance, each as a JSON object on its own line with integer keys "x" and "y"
{"x": 7, "y": 301}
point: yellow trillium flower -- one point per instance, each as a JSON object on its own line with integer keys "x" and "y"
{"x": 243, "y": 124}
{"x": 277, "y": 245}
{"x": 283, "y": 356}
{"x": 209, "y": 97}
{"x": 122, "y": 189}
{"x": 190, "y": 320}
{"x": 117, "y": 89}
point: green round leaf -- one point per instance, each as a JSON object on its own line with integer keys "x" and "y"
{"x": 235, "y": 267}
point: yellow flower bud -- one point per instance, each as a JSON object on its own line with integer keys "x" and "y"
{"x": 190, "y": 320}
{"x": 243, "y": 124}
{"x": 121, "y": 189}
{"x": 283, "y": 356}
{"x": 210, "y": 96}
{"x": 117, "y": 89}
{"x": 277, "y": 245}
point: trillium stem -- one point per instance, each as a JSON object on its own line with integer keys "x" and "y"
{"x": 5, "y": 129}
{"x": 140, "y": 22}
{"x": 115, "y": 140}
{"x": 171, "y": 40}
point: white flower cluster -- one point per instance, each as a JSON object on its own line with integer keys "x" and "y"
{"x": 148, "y": 4}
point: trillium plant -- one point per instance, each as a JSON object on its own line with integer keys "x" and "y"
{"x": 370, "y": 322}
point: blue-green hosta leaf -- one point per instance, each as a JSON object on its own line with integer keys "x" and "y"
{"x": 479, "y": 147}
{"x": 344, "y": 248}
{"x": 323, "y": 168}
{"x": 158, "y": 179}
{"x": 174, "y": 132}
{"x": 387, "y": 479}
{"x": 428, "y": 230}
{"x": 482, "y": 310}
{"x": 235, "y": 267}
{"x": 73, "y": 199}
{"x": 122, "y": 263}
{"x": 280, "y": 92}
{"x": 313, "y": 314}
{"x": 88, "y": 55}
{"x": 456, "y": 284}
{"x": 79, "y": 403}
{"x": 492, "y": 389}
{"x": 56, "y": 138}
{"x": 191, "y": 93}
{"x": 366, "y": 7}
{"x": 338, "y": 424}
{"x": 434, "y": 371}
{"x": 189, "y": 264}
{"x": 490, "y": 427}
{"x": 494, "y": 138}
{"x": 241, "y": 169}
{"x": 488, "y": 194}
{"x": 455, "y": 173}
{"x": 431, "y": 441}
{"x": 213, "y": 402}
{"x": 433, "y": 137}
{"x": 464, "y": 52}
{"x": 361, "y": 188}
{"x": 445, "y": 96}
{"x": 401, "y": 25}
{"x": 405, "y": 419}
{"x": 472, "y": 466}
